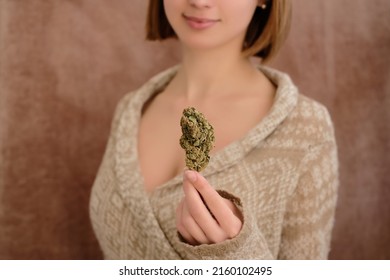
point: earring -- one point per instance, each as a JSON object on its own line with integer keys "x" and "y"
{"x": 263, "y": 6}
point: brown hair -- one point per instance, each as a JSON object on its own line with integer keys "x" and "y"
{"x": 265, "y": 35}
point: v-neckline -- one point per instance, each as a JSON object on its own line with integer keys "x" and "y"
{"x": 285, "y": 100}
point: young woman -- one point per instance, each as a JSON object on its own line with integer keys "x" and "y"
{"x": 269, "y": 191}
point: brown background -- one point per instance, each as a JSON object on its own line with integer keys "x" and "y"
{"x": 65, "y": 64}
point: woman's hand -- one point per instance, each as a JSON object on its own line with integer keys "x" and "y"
{"x": 201, "y": 224}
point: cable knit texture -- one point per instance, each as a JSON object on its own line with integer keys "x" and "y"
{"x": 283, "y": 176}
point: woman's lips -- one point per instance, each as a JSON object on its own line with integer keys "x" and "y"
{"x": 199, "y": 23}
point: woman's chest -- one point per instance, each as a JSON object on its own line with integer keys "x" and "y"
{"x": 160, "y": 155}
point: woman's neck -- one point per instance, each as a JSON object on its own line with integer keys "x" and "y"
{"x": 212, "y": 73}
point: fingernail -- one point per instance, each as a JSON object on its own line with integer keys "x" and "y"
{"x": 191, "y": 176}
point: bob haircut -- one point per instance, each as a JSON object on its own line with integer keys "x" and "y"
{"x": 265, "y": 35}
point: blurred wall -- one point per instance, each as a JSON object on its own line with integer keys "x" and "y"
{"x": 65, "y": 64}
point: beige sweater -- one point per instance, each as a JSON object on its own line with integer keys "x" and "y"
{"x": 283, "y": 175}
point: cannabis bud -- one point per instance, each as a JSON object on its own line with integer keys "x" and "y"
{"x": 197, "y": 139}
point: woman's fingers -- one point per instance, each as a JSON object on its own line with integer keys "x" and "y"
{"x": 201, "y": 214}
{"x": 218, "y": 206}
{"x": 201, "y": 224}
{"x": 188, "y": 227}
{"x": 180, "y": 227}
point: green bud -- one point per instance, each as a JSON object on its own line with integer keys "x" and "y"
{"x": 197, "y": 139}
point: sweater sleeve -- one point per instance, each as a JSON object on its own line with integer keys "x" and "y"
{"x": 105, "y": 176}
{"x": 309, "y": 215}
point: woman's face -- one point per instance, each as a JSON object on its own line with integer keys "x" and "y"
{"x": 208, "y": 24}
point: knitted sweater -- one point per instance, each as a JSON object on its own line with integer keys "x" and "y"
{"x": 283, "y": 176}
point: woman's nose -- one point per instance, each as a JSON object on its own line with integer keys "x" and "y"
{"x": 201, "y": 3}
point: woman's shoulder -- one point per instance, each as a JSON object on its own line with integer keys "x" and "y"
{"x": 311, "y": 121}
{"x": 154, "y": 84}
{"x": 308, "y": 119}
